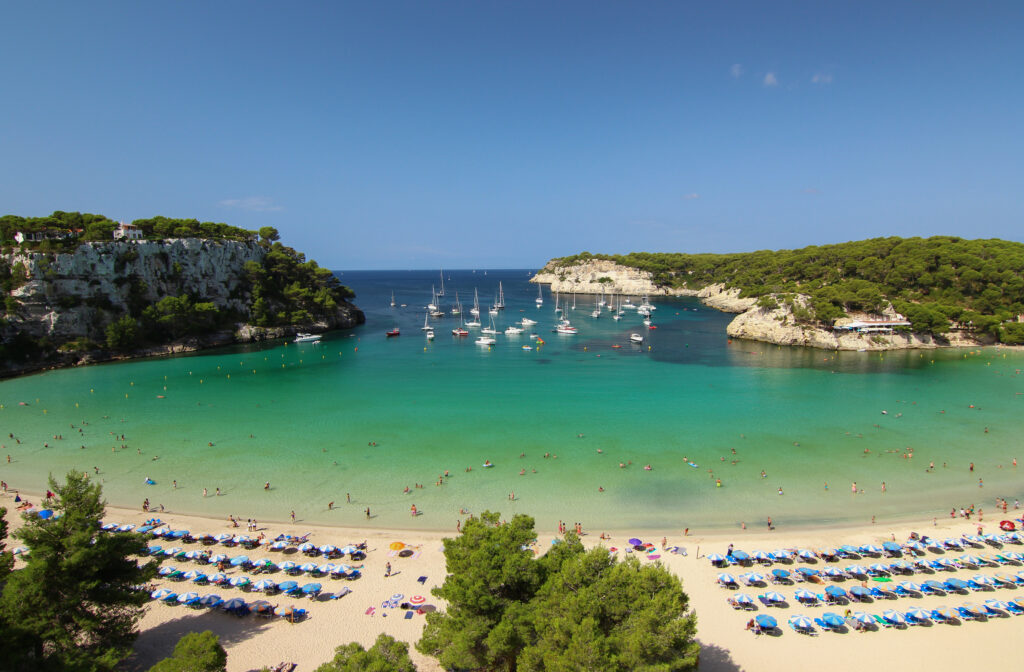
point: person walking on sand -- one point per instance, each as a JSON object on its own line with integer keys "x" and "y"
{"x": 204, "y": 492}
{"x": 387, "y": 570}
{"x": 330, "y": 506}
{"x": 367, "y": 513}
{"x": 293, "y": 516}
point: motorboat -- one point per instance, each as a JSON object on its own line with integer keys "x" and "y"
{"x": 485, "y": 340}
{"x": 394, "y": 332}
{"x": 527, "y": 322}
{"x": 459, "y": 331}
{"x": 636, "y": 338}
{"x": 513, "y": 331}
{"x": 430, "y": 335}
{"x": 307, "y": 338}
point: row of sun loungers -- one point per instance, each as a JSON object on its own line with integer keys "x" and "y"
{"x": 235, "y": 606}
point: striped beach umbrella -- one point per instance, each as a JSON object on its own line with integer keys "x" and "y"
{"x": 308, "y": 567}
{"x": 210, "y": 600}
{"x": 805, "y": 595}
{"x": 893, "y": 616}
{"x": 161, "y": 593}
{"x": 278, "y": 546}
{"x": 167, "y": 570}
{"x": 911, "y": 586}
{"x": 264, "y": 584}
{"x": 214, "y": 559}
{"x": 239, "y": 560}
{"x": 239, "y": 581}
{"x": 918, "y": 614}
{"x": 219, "y": 577}
{"x": 773, "y": 596}
{"x": 185, "y": 598}
{"x": 727, "y": 579}
{"x": 862, "y": 617}
{"x": 234, "y": 603}
{"x": 738, "y": 598}
{"x": 801, "y": 622}
{"x": 286, "y": 565}
{"x": 194, "y": 574}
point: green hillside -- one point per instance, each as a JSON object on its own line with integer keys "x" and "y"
{"x": 936, "y": 282}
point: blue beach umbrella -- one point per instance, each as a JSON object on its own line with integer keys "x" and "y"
{"x": 878, "y": 568}
{"x": 969, "y": 559}
{"x": 327, "y": 548}
{"x": 194, "y": 574}
{"x": 278, "y": 546}
{"x": 170, "y": 598}
{"x": 956, "y": 584}
{"x": 833, "y": 572}
{"x": 851, "y": 550}
{"x": 167, "y": 570}
{"x": 740, "y": 555}
{"x": 214, "y": 559}
{"x": 901, "y": 565}
{"x": 801, "y": 622}
{"x": 348, "y": 550}
{"x": 45, "y": 514}
{"x": 983, "y": 580}
{"x": 807, "y": 554}
{"x": 173, "y": 550}
{"x": 752, "y": 577}
{"x": 743, "y": 598}
{"x": 973, "y": 538}
{"x": 782, "y": 554}
{"x": 773, "y": 596}
{"x": 762, "y": 556}
{"x": 856, "y": 569}
{"x": 911, "y": 586}
{"x": 726, "y": 579}
{"x": 808, "y": 571}
{"x": 892, "y": 546}
{"x": 766, "y": 621}
{"x": 239, "y": 560}
{"x": 859, "y": 591}
{"x": 870, "y": 549}
{"x": 893, "y": 616}
{"x": 265, "y": 584}
{"x": 329, "y": 568}
{"x": 916, "y": 546}
{"x": 222, "y": 537}
{"x": 126, "y": 528}
{"x": 311, "y": 588}
{"x": 862, "y": 617}
{"x": 303, "y": 548}
{"x": 934, "y": 585}
{"x": 835, "y": 591}
{"x": 805, "y": 595}
{"x": 287, "y": 586}
{"x": 955, "y": 543}
{"x": 716, "y": 557}
{"x": 193, "y": 555}
{"x": 286, "y": 565}
{"x": 308, "y": 567}
{"x": 917, "y": 614}
{"x": 234, "y": 603}
{"x": 109, "y": 526}
{"x": 185, "y": 598}
{"x": 161, "y": 593}
{"x": 833, "y": 620}
{"x": 997, "y": 604}
{"x": 780, "y": 573}
{"x": 219, "y": 577}
{"x": 153, "y": 550}
{"x": 210, "y": 600}
{"x": 240, "y": 581}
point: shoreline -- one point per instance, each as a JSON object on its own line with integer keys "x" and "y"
{"x": 726, "y": 645}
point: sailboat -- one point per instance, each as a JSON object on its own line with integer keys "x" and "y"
{"x": 392, "y": 299}
{"x": 540, "y": 297}
{"x": 426, "y": 325}
{"x": 475, "y": 310}
{"x": 597, "y": 309}
{"x": 574, "y": 300}
{"x": 493, "y": 310}
{"x": 441, "y": 293}
{"x": 432, "y": 306}
{"x": 500, "y": 303}
{"x": 460, "y": 331}
{"x": 558, "y": 308}
{"x": 489, "y": 329}
{"x": 457, "y": 310}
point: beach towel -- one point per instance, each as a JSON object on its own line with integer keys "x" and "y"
{"x": 370, "y": 610}
{"x": 422, "y": 580}
{"x": 408, "y": 614}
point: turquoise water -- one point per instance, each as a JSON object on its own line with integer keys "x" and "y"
{"x": 303, "y": 416}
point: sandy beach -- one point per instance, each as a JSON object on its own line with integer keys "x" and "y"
{"x": 252, "y": 643}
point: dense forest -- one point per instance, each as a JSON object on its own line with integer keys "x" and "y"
{"x": 935, "y": 282}
{"x": 66, "y": 230}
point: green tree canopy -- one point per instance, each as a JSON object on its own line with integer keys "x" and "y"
{"x": 76, "y": 604}
{"x": 195, "y": 652}
{"x": 569, "y": 610}
{"x": 386, "y": 655}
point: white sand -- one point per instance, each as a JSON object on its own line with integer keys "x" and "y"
{"x": 252, "y": 643}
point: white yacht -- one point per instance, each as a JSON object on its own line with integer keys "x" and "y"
{"x": 527, "y": 322}
{"x": 636, "y": 338}
{"x": 513, "y": 331}
{"x": 485, "y": 340}
{"x": 540, "y": 297}
{"x": 307, "y": 338}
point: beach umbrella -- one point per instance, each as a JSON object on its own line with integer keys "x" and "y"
{"x": 918, "y": 614}
{"x": 1019, "y": 601}
{"x": 329, "y": 568}
{"x": 165, "y": 571}
{"x": 856, "y": 569}
{"x": 878, "y": 568}
{"x": 835, "y": 591}
{"x": 219, "y": 577}
{"x": 242, "y": 539}
{"x": 892, "y": 546}
{"x": 239, "y": 560}
{"x": 161, "y": 593}
{"x": 239, "y": 581}
{"x": 808, "y": 571}
{"x": 222, "y": 537}
{"x": 983, "y": 580}
{"x": 780, "y": 573}
{"x": 45, "y": 514}
{"x": 176, "y": 534}
{"x": 985, "y": 557}
{"x": 306, "y": 547}
{"x": 234, "y": 603}
{"x": 969, "y": 559}
{"x": 260, "y": 605}
{"x": 716, "y": 557}
{"x": 348, "y": 550}
{"x": 632, "y": 542}
{"x": 781, "y": 553}
{"x": 956, "y": 543}
{"x": 1005, "y": 578}
{"x": 726, "y": 579}
{"x": 946, "y": 563}
{"x": 153, "y": 550}
{"x": 862, "y": 617}
{"x": 934, "y": 585}
{"x": 911, "y": 586}
{"x": 327, "y": 548}
{"x": 206, "y": 539}
{"x": 209, "y": 600}
{"x": 21, "y": 550}
{"x": 901, "y": 565}
{"x": 833, "y": 572}
{"x": 870, "y": 549}
{"x": 193, "y": 555}
{"x": 220, "y": 557}
{"x": 801, "y": 622}
{"x": 265, "y": 584}
{"x": 973, "y": 538}
{"x": 893, "y": 616}
{"x": 847, "y": 548}
{"x": 284, "y": 612}
{"x": 997, "y": 604}
{"x": 170, "y": 598}
{"x": 752, "y": 577}
{"x": 308, "y": 567}
{"x": 766, "y": 621}
{"x": 738, "y": 598}
{"x": 287, "y": 586}
{"x": 311, "y": 588}
{"x": 833, "y": 620}
{"x": 772, "y": 596}
{"x": 286, "y": 565}
{"x": 184, "y": 598}
{"x": 419, "y": 599}
{"x": 859, "y": 591}
{"x": 915, "y": 545}
{"x": 126, "y": 528}
{"x": 109, "y": 526}
{"x": 194, "y": 574}
{"x": 829, "y": 552}
{"x": 278, "y": 546}
{"x": 762, "y": 556}
{"x": 805, "y": 595}
{"x": 807, "y": 554}
{"x": 972, "y": 607}
{"x": 741, "y": 556}
{"x": 956, "y": 584}
{"x": 397, "y": 545}
{"x": 173, "y": 550}
{"x": 944, "y": 612}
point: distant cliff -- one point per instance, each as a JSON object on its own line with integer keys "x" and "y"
{"x": 772, "y": 318}
{"x": 113, "y": 299}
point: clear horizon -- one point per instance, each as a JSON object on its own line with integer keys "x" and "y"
{"x": 499, "y": 136}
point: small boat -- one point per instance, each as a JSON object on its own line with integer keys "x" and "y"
{"x": 485, "y": 340}
{"x": 426, "y": 325}
{"x": 616, "y": 347}
{"x": 540, "y": 297}
{"x": 392, "y": 299}
{"x": 513, "y": 331}
{"x": 307, "y": 338}
{"x": 500, "y": 303}
{"x": 474, "y": 323}
{"x": 394, "y": 332}
{"x": 527, "y": 347}
{"x": 490, "y": 330}
{"x": 527, "y": 322}
{"x": 430, "y": 335}
{"x": 459, "y": 331}
{"x": 636, "y": 338}
{"x": 652, "y": 326}
{"x": 566, "y": 329}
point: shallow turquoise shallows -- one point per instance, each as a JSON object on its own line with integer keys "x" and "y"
{"x": 366, "y": 415}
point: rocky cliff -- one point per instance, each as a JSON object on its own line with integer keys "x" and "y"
{"x": 66, "y": 297}
{"x": 775, "y": 325}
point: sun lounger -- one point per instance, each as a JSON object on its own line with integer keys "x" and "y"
{"x": 1014, "y": 609}
{"x": 881, "y": 621}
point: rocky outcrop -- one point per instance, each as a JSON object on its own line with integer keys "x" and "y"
{"x": 725, "y": 300}
{"x": 778, "y": 326}
{"x": 598, "y": 276}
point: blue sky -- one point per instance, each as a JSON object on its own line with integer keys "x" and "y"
{"x": 482, "y": 134}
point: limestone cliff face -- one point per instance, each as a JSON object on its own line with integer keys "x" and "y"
{"x": 585, "y": 277}
{"x": 76, "y": 295}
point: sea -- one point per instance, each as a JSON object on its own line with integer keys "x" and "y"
{"x": 684, "y": 430}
